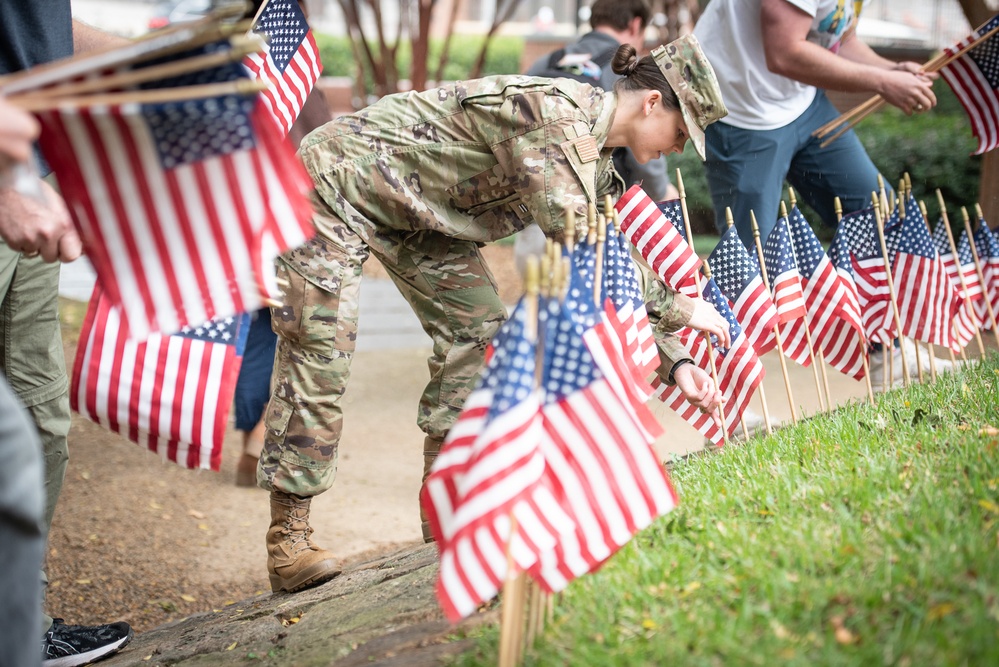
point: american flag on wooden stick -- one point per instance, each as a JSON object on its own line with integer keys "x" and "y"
{"x": 601, "y": 464}
{"x": 738, "y": 367}
{"x": 856, "y": 248}
{"x": 657, "y": 240}
{"x": 290, "y": 64}
{"x": 988, "y": 256}
{"x": 487, "y": 498}
{"x": 171, "y": 394}
{"x": 927, "y": 301}
{"x": 974, "y": 78}
{"x": 963, "y": 276}
{"x": 833, "y": 314}
{"x": 787, "y": 291}
{"x": 737, "y": 274}
{"x": 182, "y": 206}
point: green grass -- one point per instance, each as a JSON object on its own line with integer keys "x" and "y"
{"x": 869, "y": 536}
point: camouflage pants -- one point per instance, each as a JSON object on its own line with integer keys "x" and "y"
{"x": 447, "y": 284}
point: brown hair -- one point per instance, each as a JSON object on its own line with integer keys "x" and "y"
{"x": 618, "y": 14}
{"x": 641, "y": 74}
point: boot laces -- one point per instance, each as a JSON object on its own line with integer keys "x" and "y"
{"x": 297, "y": 529}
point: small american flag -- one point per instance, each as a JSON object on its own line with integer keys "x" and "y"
{"x": 737, "y": 274}
{"x": 967, "y": 321}
{"x": 182, "y": 206}
{"x": 625, "y": 308}
{"x": 927, "y": 301}
{"x": 658, "y": 241}
{"x": 859, "y": 238}
{"x": 739, "y": 371}
{"x": 673, "y": 210}
{"x": 601, "y": 464}
{"x": 787, "y": 291}
{"x": 833, "y": 316}
{"x": 490, "y": 473}
{"x": 290, "y": 64}
{"x": 171, "y": 394}
{"x": 974, "y": 78}
{"x": 988, "y": 257}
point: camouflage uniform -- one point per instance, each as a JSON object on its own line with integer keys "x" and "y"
{"x": 420, "y": 180}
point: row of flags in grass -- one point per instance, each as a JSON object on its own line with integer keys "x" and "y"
{"x": 183, "y": 206}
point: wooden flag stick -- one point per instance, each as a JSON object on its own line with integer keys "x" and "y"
{"x": 241, "y": 47}
{"x": 981, "y": 275}
{"x": 763, "y": 394}
{"x": 838, "y": 206}
{"x": 162, "y": 95}
{"x": 598, "y": 270}
{"x": 960, "y": 273}
{"x": 766, "y": 285}
{"x": 891, "y": 288}
{"x": 862, "y": 110}
{"x": 711, "y": 359}
{"x": 512, "y": 613}
{"x": 901, "y": 214}
{"x": 808, "y": 335}
{"x": 569, "y": 231}
{"x": 179, "y": 38}
{"x": 922, "y": 208}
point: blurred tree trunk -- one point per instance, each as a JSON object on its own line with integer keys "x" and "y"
{"x": 504, "y": 10}
{"x": 978, "y": 12}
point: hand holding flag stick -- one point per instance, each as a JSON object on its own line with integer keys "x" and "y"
{"x": 861, "y": 111}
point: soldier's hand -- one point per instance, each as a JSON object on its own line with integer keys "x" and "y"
{"x": 705, "y": 318}
{"x": 33, "y": 228}
{"x": 699, "y": 389}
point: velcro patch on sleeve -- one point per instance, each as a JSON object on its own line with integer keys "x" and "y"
{"x": 586, "y": 149}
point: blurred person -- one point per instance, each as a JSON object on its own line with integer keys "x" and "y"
{"x": 775, "y": 59}
{"x": 37, "y": 233}
{"x": 22, "y": 504}
{"x": 420, "y": 180}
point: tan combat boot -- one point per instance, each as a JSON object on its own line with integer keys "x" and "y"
{"x": 431, "y": 448}
{"x": 293, "y": 561}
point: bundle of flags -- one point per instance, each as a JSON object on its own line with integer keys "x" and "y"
{"x": 974, "y": 78}
{"x": 504, "y": 497}
{"x": 172, "y": 156}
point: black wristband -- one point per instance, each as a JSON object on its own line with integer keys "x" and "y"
{"x": 669, "y": 377}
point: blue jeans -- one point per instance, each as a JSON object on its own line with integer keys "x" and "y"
{"x": 746, "y": 170}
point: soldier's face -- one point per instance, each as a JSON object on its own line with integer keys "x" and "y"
{"x": 660, "y": 132}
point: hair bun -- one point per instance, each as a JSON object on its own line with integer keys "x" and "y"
{"x": 631, "y": 66}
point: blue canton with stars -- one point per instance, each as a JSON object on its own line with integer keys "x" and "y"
{"x": 940, "y": 239}
{"x": 620, "y": 284}
{"x": 225, "y": 330}
{"x": 808, "y": 251}
{"x": 673, "y": 212}
{"x": 986, "y": 55}
{"x": 510, "y": 375}
{"x": 778, "y": 253}
{"x": 985, "y": 243}
{"x": 580, "y": 296}
{"x": 859, "y": 235}
{"x": 732, "y": 265}
{"x": 712, "y": 294}
{"x": 195, "y": 130}
{"x": 571, "y": 367}
{"x": 914, "y": 239}
{"x": 284, "y": 26}
{"x": 964, "y": 255}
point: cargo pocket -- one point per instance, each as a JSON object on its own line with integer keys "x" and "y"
{"x": 320, "y": 281}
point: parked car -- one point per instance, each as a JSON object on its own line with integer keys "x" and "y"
{"x": 176, "y": 11}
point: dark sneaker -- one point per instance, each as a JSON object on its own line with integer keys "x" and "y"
{"x": 71, "y": 645}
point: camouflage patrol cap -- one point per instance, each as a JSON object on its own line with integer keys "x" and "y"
{"x": 692, "y": 78}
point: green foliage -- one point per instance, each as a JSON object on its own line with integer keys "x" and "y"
{"x": 503, "y": 56}
{"x": 866, "y": 536}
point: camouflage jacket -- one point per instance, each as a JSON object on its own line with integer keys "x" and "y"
{"x": 476, "y": 160}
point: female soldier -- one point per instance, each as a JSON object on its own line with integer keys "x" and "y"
{"x": 421, "y": 179}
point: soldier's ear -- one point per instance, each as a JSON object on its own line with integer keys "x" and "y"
{"x": 650, "y": 100}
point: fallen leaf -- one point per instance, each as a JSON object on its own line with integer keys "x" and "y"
{"x": 231, "y": 646}
{"x": 938, "y": 611}
{"x": 85, "y": 475}
{"x": 196, "y": 514}
{"x": 155, "y": 505}
{"x": 188, "y": 598}
{"x": 148, "y": 657}
{"x": 202, "y": 526}
{"x": 988, "y": 430}
{"x": 844, "y": 636}
{"x": 649, "y": 624}
{"x": 83, "y": 581}
{"x": 989, "y": 505}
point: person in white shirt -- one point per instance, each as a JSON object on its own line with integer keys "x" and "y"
{"x": 774, "y": 60}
